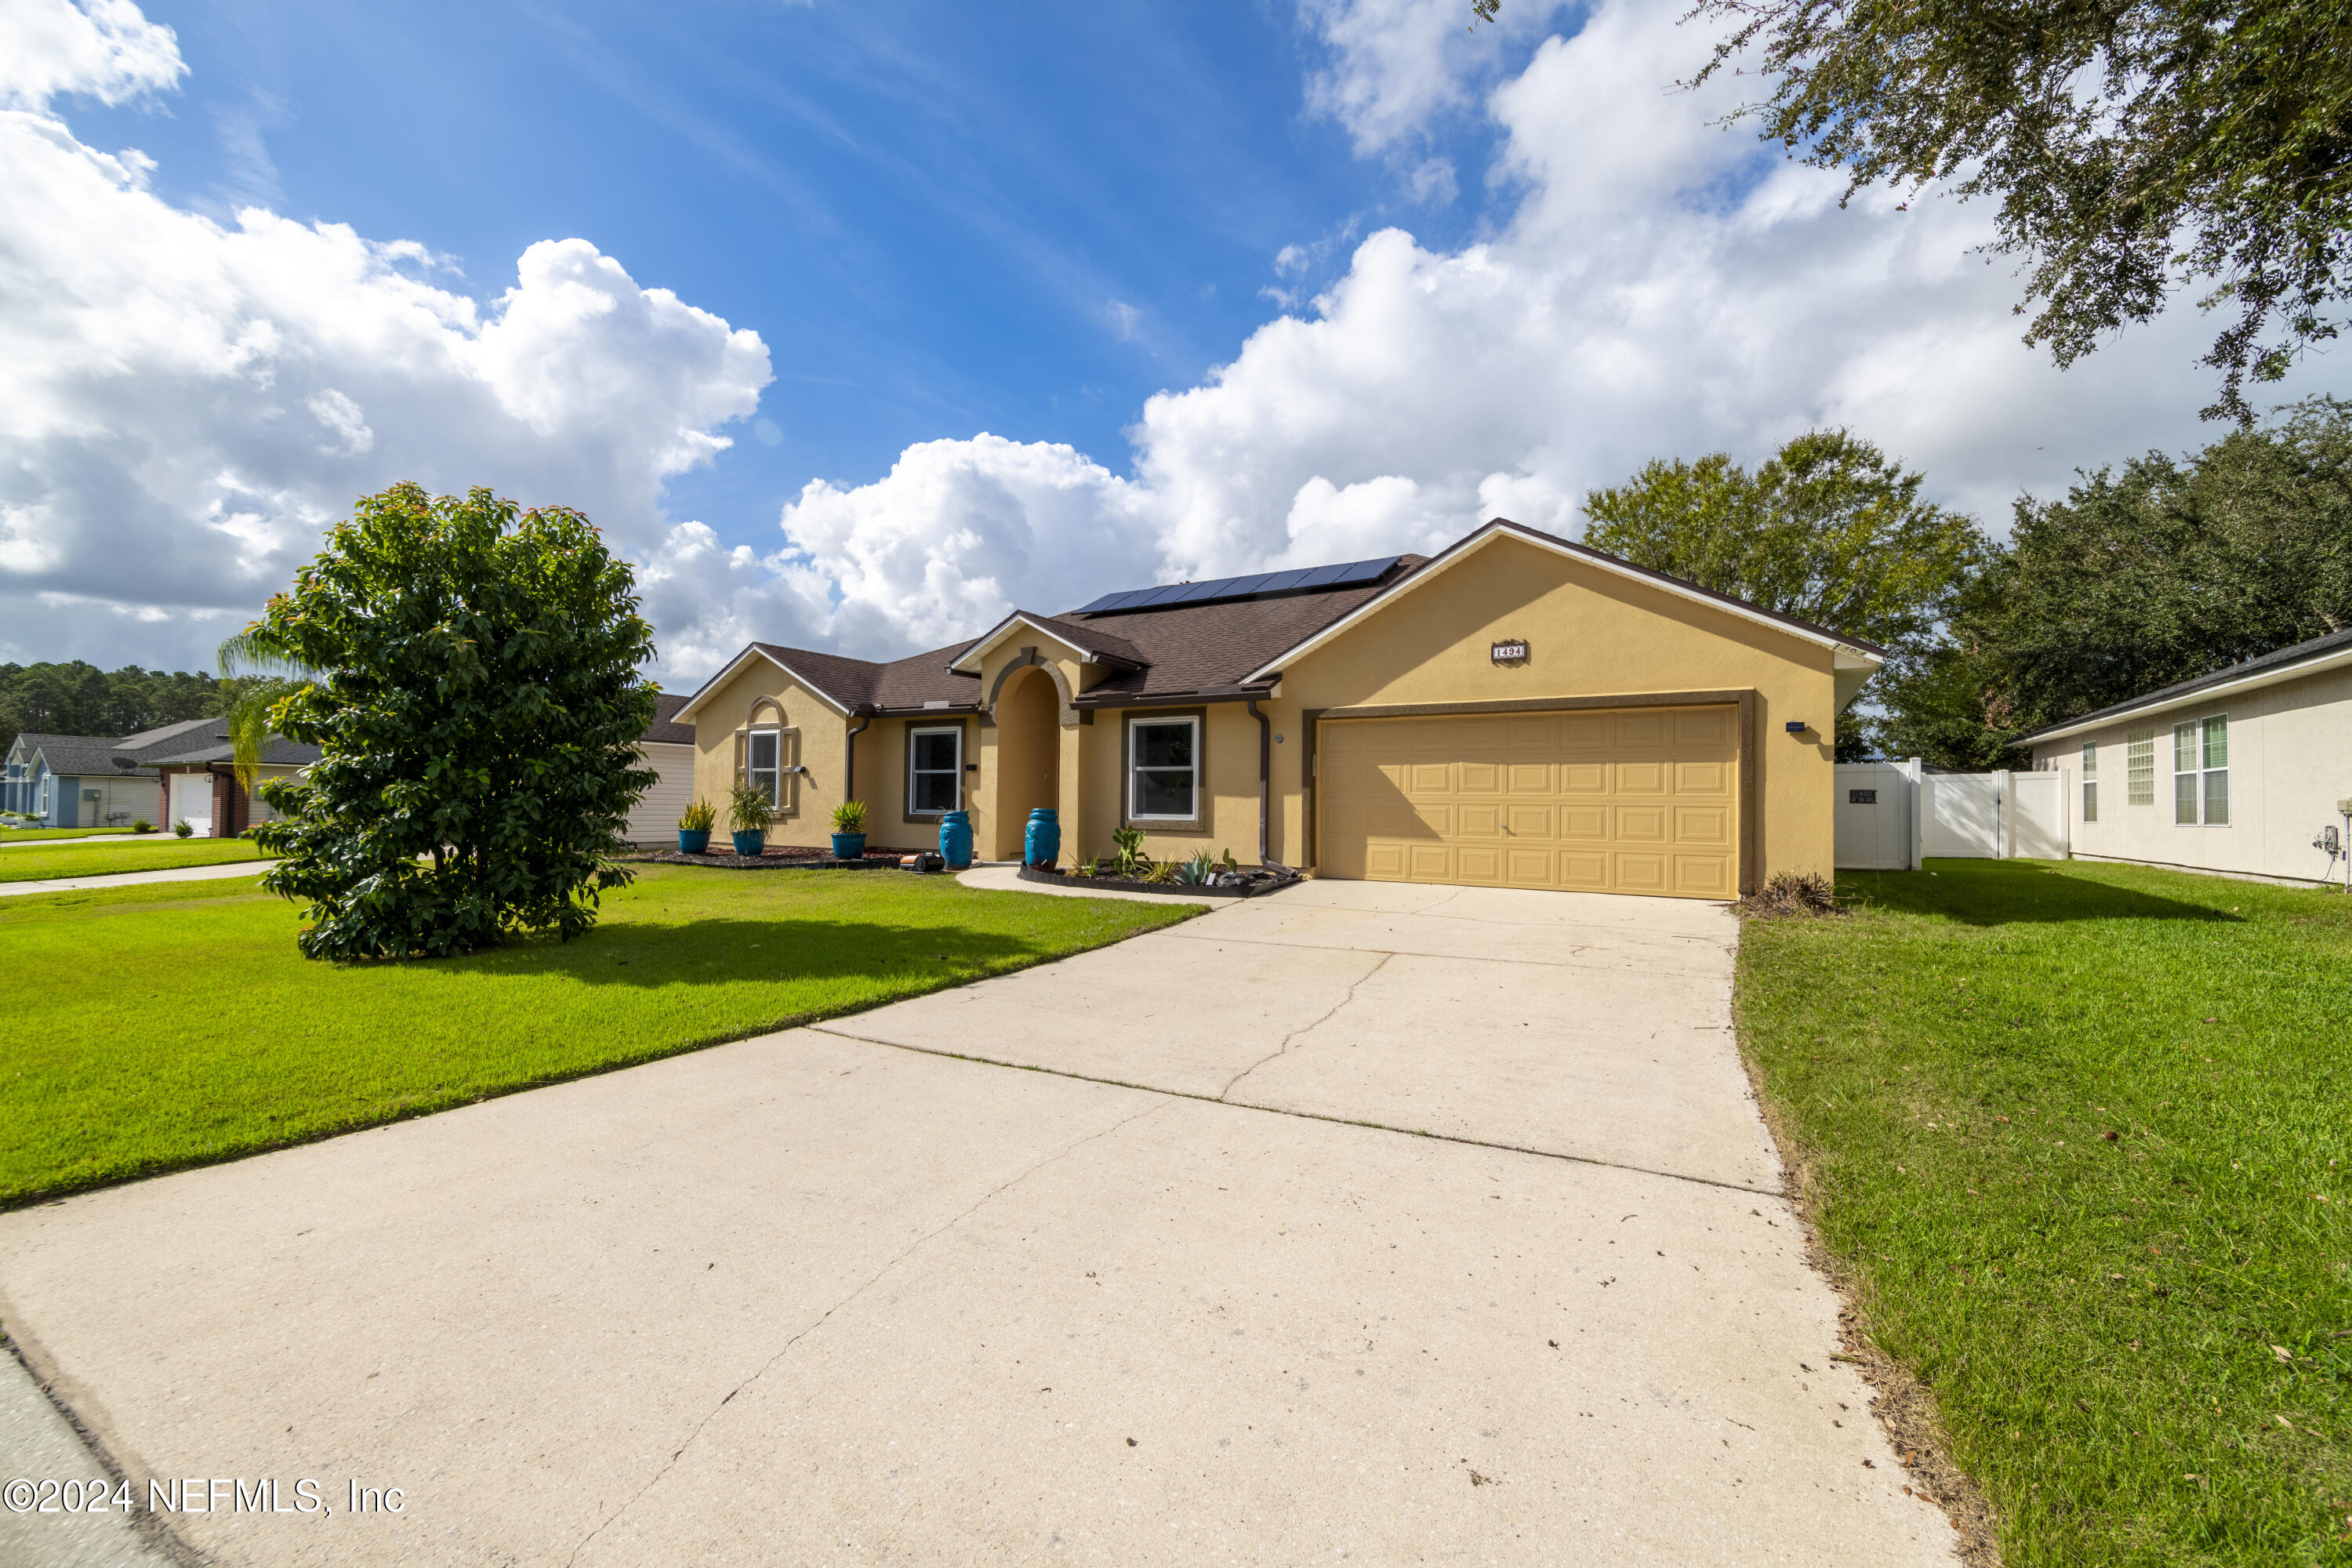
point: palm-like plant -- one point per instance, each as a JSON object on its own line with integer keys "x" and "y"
{"x": 266, "y": 675}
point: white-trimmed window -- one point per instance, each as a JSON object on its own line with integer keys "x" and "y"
{"x": 934, "y": 772}
{"x": 1163, "y": 770}
{"x": 2201, "y": 772}
{"x": 763, "y": 759}
{"x": 2139, "y": 768}
{"x": 2090, "y": 781}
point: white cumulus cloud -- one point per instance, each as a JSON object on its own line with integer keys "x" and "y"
{"x": 190, "y": 403}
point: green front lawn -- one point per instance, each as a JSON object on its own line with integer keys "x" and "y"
{"x": 36, "y": 865}
{"x": 169, "y": 1025}
{"x": 2080, "y": 1135}
{"x": 43, "y": 834}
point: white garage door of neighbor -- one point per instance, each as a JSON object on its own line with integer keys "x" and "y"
{"x": 192, "y": 801}
{"x": 1619, "y": 801}
{"x": 654, "y": 816}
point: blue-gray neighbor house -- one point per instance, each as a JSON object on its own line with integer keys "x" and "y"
{"x": 177, "y": 773}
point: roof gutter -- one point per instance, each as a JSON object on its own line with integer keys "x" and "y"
{"x": 1174, "y": 698}
{"x": 2336, "y": 658}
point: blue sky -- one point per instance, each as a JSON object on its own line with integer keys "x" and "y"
{"x": 856, "y": 326}
{"x": 930, "y": 212}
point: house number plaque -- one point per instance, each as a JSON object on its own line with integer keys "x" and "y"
{"x": 1513, "y": 652}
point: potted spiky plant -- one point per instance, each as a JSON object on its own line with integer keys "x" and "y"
{"x": 694, "y": 827}
{"x": 849, "y": 830}
{"x": 748, "y": 813}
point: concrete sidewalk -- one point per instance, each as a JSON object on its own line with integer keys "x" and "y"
{"x": 814, "y": 1298}
{"x": 135, "y": 879}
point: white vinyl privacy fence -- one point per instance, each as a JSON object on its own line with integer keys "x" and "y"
{"x": 1892, "y": 815}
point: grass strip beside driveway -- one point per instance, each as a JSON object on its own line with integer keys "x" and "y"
{"x": 38, "y": 864}
{"x": 159, "y": 1026}
{"x": 2081, "y": 1136}
{"x": 54, "y": 835}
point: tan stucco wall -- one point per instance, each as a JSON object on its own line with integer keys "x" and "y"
{"x": 727, "y": 709}
{"x": 1591, "y": 632}
{"x": 2290, "y": 763}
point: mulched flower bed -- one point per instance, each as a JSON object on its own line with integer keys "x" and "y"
{"x": 1247, "y": 884}
{"x": 778, "y": 857}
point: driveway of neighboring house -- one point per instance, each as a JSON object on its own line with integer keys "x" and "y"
{"x": 1365, "y": 1222}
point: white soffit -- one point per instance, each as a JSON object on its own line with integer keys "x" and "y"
{"x": 2203, "y": 697}
{"x": 1846, "y": 656}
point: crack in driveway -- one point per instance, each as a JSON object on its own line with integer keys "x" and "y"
{"x": 822, "y": 1317}
{"x": 1304, "y": 1028}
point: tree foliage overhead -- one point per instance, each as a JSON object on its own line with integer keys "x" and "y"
{"x": 2166, "y": 571}
{"x": 1829, "y": 529}
{"x": 475, "y": 692}
{"x": 2133, "y": 147}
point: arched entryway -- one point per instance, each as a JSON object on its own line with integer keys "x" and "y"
{"x": 1028, "y": 754}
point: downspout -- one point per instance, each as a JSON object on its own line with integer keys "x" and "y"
{"x": 1265, "y": 787}
{"x": 849, "y": 767}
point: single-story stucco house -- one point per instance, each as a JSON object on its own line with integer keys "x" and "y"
{"x": 1518, "y": 710}
{"x": 2238, "y": 771}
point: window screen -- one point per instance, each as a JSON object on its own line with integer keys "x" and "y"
{"x": 1163, "y": 770}
{"x": 935, "y": 771}
{"x": 761, "y": 760}
{"x": 2139, "y": 768}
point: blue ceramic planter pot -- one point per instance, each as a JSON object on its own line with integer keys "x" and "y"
{"x": 848, "y": 846}
{"x": 1041, "y": 843}
{"x": 955, "y": 839}
{"x": 693, "y": 841}
{"x": 748, "y": 844}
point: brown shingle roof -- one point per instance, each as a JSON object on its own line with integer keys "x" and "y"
{"x": 1201, "y": 647}
{"x": 856, "y": 683}
{"x": 665, "y": 729}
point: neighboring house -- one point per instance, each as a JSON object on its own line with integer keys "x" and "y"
{"x": 2238, "y": 771}
{"x": 176, "y": 773}
{"x": 1518, "y": 710}
{"x": 668, "y": 749}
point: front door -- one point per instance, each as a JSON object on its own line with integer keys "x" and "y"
{"x": 192, "y": 803}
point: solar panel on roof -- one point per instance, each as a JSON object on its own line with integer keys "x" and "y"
{"x": 1296, "y": 580}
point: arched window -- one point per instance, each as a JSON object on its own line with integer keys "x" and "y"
{"x": 767, "y": 753}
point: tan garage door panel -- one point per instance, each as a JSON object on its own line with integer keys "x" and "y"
{"x": 1629, "y": 801}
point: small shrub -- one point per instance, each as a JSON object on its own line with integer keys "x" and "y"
{"x": 143, "y": 826}
{"x": 181, "y": 829}
{"x": 1131, "y": 861}
{"x": 749, "y": 810}
{"x": 697, "y": 817}
{"x": 849, "y": 817}
{"x": 1797, "y": 894}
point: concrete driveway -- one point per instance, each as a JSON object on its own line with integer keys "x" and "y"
{"x": 1201, "y": 1289}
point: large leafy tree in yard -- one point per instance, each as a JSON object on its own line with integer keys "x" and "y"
{"x": 473, "y": 681}
{"x": 1829, "y": 529}
{"x": 2135, "y": 147}
{"x": 2161, "y": 572}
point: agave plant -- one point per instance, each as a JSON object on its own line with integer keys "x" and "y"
{"x": 1131, "y": 860}
{"x": 1195, "y": 869}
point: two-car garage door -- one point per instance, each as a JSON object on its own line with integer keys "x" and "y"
{"x": 1609, "y": 800}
